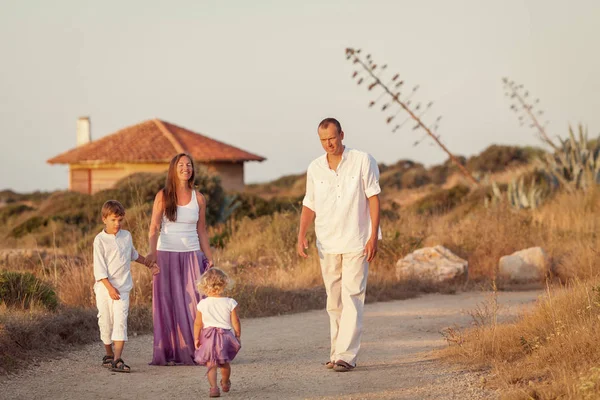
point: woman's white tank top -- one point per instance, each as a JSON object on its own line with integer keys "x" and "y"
{"x": 181, "y": 235}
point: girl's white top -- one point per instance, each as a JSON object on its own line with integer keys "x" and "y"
{"x": 181, "y": 235}
{"x": 216, "y": 311}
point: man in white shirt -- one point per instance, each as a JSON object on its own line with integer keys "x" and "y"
{"x": 342, "y": 197}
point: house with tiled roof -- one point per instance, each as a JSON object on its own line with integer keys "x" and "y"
{"x": 147, "y": 147}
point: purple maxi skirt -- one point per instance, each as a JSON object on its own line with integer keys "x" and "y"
{"x": 217, "y": 346}
{"x": 174, "y": 301}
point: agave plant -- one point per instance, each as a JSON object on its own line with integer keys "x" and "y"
{"x": 518, "y": 194}
{"x": 228, "y": 207}
{"x": 576, "y": 165}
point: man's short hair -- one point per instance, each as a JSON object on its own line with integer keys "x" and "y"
{"x": 325, "y": 124}
{"x": 113, "y": 207}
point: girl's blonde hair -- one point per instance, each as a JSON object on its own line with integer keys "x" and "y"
{"x": 213, "y": 281}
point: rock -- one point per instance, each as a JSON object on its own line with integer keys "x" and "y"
{"x": 524, "y": 266}
{"x": 436, "y": 264}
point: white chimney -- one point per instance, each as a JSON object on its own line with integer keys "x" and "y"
{"x": 84, "y": 131}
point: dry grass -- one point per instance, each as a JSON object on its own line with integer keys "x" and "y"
{"x": 272, "y": 279}
{"x": 551, "y": 352}
{"x": 36, "y": 333}
{"x": 565, "y": 227}
{"x": 548, "y": 353}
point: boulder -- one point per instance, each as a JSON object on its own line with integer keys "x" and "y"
{"x": 524, "y": 266}
{"x": 436, "y": 264}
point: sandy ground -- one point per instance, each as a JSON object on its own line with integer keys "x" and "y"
{"x": 282, "y": 358}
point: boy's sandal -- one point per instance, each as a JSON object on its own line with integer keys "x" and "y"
{"x": 329, "y": 364}
{"x": 107, "y": 361}
{"x": 214, "y": 392}
{"x": 226, "y": 386}
{"x": 342, "y": 366}
{"x": 119, "y": 366}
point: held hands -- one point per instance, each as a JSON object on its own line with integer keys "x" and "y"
{"x": 197, "y": 343}
{"x": 302, "y": 246}
{"x": 155, "y": 269}
{"x": 150, "y": 260}
{"x": 371, "y": 249}
{"x": 114, "y": 293}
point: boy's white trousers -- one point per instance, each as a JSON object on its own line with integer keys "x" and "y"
{"x": 112, "y": 315}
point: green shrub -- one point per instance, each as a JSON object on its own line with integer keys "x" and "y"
{"x": 253, "y": 206}
{"x": 391, "y": 180}
{"x": 390, "y": 213}
{"x": 28, "y": 226}
{"x": 439, "y": 174}
{"x": 441, "y": 200}
{"x": 497, "y": 158}
{"x": 219, "y": 239}
{"x": 405, "y": 174}
{"x": 81, "y": 212}
{"x": 13, "y": 210}
{"x": 141, "y": 187}
{"x": 8, "y": 196}
{"x": 287, "y": 181}
{"x": 23, "y": 290}
{"x": 415, "y": 178}
{"x": 382, "y": 167}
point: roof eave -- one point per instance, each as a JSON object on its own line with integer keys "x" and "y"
{"x": 56, "y": 160}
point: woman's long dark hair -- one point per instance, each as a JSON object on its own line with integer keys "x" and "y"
{"x": 170, "y": 189}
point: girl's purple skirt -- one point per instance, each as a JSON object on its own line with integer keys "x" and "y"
{"x": 174, "y": 300}
{"x": 217, "y": 346}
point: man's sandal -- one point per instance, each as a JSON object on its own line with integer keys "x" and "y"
{"x": 329, "y": 364}
{"x": 107, "y": 361}
{"x": 119, "y": 366}
{"x": 342, "y": 366}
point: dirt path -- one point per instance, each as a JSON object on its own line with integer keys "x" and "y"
{"x": 281, "y": 359}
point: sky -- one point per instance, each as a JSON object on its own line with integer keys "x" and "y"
{"x": 260, "y": 75}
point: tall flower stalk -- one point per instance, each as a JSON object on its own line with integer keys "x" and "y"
{"x": 526, "y": 108}
{"x": 393, "y": 95}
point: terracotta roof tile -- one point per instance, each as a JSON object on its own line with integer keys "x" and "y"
{"x": 153, "y": 141}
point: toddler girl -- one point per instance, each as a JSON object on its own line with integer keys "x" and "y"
{"x": 217, "y": 329}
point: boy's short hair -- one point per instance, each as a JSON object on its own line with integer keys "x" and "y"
{"x": 112, "y": 207}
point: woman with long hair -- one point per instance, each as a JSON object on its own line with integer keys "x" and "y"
{"x": 179, "y": 244}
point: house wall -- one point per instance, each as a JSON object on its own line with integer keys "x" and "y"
{"x": 79, "y": 180}
{"x": 105, "y": 178}
{"x": 91, "y": 178}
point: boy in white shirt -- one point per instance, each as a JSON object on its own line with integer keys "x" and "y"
{"x": 113, "y": 253}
